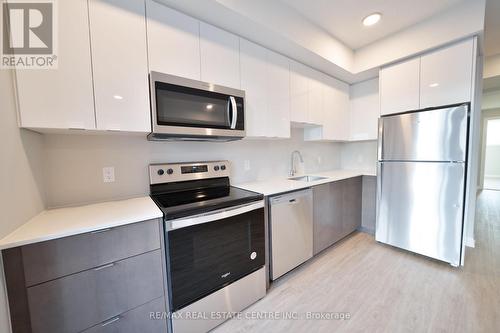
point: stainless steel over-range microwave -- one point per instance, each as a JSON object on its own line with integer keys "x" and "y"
{"x": 184, "y": 109}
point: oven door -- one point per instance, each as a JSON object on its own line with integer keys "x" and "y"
{"x": 207, "y": 252}
{"x": 187, "y": 108}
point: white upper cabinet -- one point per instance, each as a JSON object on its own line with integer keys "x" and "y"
{"x": 446, "y": 75}
{"x": 438, "y": 78}
{"x": 315, "y": 98}
{"x": 220, "y": 56}
{"x": 364, "y": 110}
{"x": 336, "y": 106}
{"x": 265, "y": 77}
{"x": 278, "y": 90}
{"x": 173, "y": 41}
{"x": 333, "y": 112}
{"x": 119, "y": 63}
{"x": 299, "y": 92}
{"x": 253, "y": 78}
{"x": 399, "y": 87}
{"x": 61, "y": 98}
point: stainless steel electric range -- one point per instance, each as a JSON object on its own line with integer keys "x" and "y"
{"x": 214, "y": 241}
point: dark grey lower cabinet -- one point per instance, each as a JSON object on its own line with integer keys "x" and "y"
{"x": 76, "y": 302}
{"x": 369, "y": 210}
{"x": 60, "y": 257}
{"x": 351, "y": 205}
{"x": 327, "y": 215}
{"x": 337, "y": 211}
{"x": 106, "y": 281}
{"x": 147, "y": 318}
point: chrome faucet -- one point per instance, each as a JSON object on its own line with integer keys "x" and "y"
{"x": 293, "y": 171}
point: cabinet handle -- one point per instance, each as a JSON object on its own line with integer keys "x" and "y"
{"x": 111, "y": 321}
{"x": 104, "y": 266}
{"x": 99, "y": 231}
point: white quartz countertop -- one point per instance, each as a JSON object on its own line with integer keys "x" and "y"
{"x": 281, "y": 185}
{"x": 63, "y": 222}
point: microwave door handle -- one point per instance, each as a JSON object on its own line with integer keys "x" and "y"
{"x": 228, "y": 112}
{"x": 234, "y": 118}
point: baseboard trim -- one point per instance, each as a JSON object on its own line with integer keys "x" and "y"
{"x": 470, "y": 242}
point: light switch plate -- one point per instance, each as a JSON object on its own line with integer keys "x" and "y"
{"x": 108, "y": 174}
{"x": 247, "y": 165}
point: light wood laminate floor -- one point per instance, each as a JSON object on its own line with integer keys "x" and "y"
{"x": 389, "y": 290}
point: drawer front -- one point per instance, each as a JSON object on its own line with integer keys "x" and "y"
{"x": 147, "y": 318}
{"x": 57, "y": 258}
{"x": 79, "y": 301}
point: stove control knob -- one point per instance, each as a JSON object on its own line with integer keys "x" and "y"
{"x": 170, "y": 171}
{"x": 216, "y": 168}
{"x": 161, "y": 172}
{"x": 223, "y": 167}
{"x": 253, "y": 255}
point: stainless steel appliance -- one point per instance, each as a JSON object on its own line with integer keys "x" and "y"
{"x": 215, "y": 241}
{"x": 291, "y": 231}
{"x": 421, "y": 181}
{"x": 184, "y": 109}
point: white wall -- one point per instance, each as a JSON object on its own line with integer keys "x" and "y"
{"x": 485, "y": 116}
{"x": 21, "y": 193}
{"x": 492, "y": 161}
{"x": 492, "y": 158}
{"x": 491, "y": 66}
{"x": 491, "y": 100}
{"x": 359, "y": 156}
{"x": 74, "y": 162}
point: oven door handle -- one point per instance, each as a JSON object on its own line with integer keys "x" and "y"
{"x": 213, "y": 216}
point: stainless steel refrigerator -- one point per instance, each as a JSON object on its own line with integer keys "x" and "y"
{"x": 421, "y": 181}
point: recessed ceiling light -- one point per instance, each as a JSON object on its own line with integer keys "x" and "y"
{"x": 434, "y": 85}
{"x": 117, "y": 97}
{"x": 372, "y": 19}
{"x": 209, "y": 106}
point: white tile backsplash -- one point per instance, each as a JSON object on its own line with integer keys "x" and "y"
{"x": 359, "y": 155}
{"x": 73, "y": 163}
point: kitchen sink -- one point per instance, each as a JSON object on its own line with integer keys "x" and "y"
{"x": 308, "y": 178}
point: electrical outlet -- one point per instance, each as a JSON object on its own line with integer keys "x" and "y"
{"x": 247, "y": 165}
{"x": 108, "y": 174}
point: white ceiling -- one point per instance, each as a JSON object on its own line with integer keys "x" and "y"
{"x": 342, "y": 18}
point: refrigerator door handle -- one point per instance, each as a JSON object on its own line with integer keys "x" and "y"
{"x": 378, "y": 194}
{"x": 380, "y": 137}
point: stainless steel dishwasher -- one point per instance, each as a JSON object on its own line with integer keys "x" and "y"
{"x": 291, "y": 231}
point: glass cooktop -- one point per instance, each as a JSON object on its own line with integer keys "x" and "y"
{"x": 199, "y": 200}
